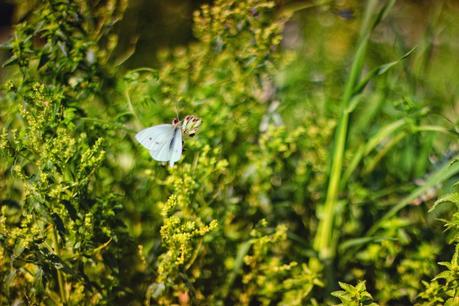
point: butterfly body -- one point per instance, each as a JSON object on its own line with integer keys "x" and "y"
{"x": 165, "y": 141}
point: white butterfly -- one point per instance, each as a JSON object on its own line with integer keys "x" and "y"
{"x": 164, "y": 141}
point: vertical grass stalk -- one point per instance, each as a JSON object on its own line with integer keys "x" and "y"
{"x": 60, "y": 277}
{"x": 323, "y": 239}
{"x": 323, "y": 242}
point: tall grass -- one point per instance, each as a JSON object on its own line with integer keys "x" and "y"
{"x": 323, "y": 242}
{"x": 318, "y": 159}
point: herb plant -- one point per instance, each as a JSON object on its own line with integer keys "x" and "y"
{"x": 315, "y": 178}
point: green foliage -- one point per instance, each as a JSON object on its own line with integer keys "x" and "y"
{"x": 282, "y": 196}
{"x": 443, "y": 288}
{"x": 62, "y": 241}
{"x": 354, "y": 295}
{"x": 266, "y": 276}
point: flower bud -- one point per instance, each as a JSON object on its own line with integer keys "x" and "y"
{"x": 191, "y": 125}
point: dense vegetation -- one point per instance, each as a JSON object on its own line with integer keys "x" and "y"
{"x": 324, "y": 169}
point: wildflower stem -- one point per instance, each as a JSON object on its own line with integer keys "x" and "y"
{"x": 323, "y": 238}
{"x": 131, "y": 109}
{"x": 60, "y": 278}
{"x": 323, "y": 242}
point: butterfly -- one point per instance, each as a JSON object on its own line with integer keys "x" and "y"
{"x": 165, "y": 141}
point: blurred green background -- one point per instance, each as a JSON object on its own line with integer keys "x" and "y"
{"x": 263, "y": 178}
{"x": 151, "y": 25}
{"x": 323, "y": 31}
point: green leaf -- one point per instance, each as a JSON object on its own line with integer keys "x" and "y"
{"x": 59, "y": 225}
{"x": 347, "y": 287}
{"x": 44, "y": 58}
{"x": 378, "y": 71}
{"x": 342, "y": 295}
{"x": 448, "y": 198}
{"x": 70, "y": 209}
{"x": 439, "y": 176}
{"x": 11, "y": 61}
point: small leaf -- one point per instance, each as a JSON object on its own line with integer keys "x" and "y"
{"x": 9, "y": 202}
{"x": 378, "y": 71}
{"x": 59, "y": 225}
{"x": 449, "y": 198}
{"x": 443, "y": 275}
{"x": 70, "y": 209}
{"x": 43, "y": 60}
{"x": 12, "y": 60}
{"x": 342, "y": 295}
{"x": 347, "y": 287}
{"x": 361, "y": 286}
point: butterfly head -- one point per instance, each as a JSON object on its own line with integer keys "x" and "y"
{"x": 191, "y": 125}
{"x": 175, "y": 122}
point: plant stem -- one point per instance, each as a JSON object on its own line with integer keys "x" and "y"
{"x": 444, "y": 173}
{"x": 323, "y": 239}
{"x": 60, "y": 278}
{"x": 324, "y": 242}
{"x": 379, "y": 156}
{"x": 242, "y": 251}
{"x": 131, "y": 109}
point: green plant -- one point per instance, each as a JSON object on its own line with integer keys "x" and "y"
{"x": 305, "y": 175}
{"x": 354, "y": 295}
{"x": 61, "y": 239}
{"x": 443, "y": 288}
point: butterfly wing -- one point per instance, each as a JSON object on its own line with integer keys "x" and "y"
{"x": 154, "y": 136}
{"x": 168, "y": 148}
{"x": 161, "y": 148}
{"x": 164, "y": 142}
{"x": 176, "y": 147}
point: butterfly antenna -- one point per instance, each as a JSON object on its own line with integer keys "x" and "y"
{"x": 176, "y": 111}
